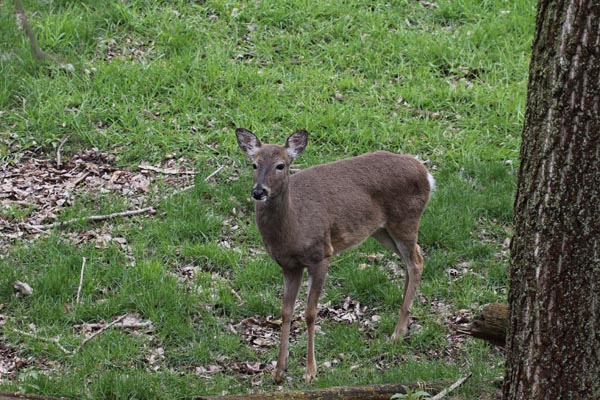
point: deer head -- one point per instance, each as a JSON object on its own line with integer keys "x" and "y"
{"x": 271, "y": 162}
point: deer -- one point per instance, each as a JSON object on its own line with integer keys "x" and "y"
{"x": 306, "y": 218}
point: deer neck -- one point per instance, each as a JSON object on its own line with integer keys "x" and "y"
{"x": 276, "y": 218}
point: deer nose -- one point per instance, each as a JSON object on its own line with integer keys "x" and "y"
{"x": 259, "y": 193}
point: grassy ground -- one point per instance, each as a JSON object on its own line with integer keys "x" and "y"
{"x": 443, "y": 80}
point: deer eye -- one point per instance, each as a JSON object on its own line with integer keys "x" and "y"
{"x": 280, "y": 167}
{"x": 254, "y": 166}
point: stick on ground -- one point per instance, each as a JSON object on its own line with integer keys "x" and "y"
{"x": 166, "y": 171}
{"x": 80, "y": 281}
{"x": 95, "y": 218}
{"x": 214, "y": 173}
{"x": 123, "y": 325}
{"x": 98, "y": 332}
{"x": 43, "y": 339}
{"x": 185, "y": 189}
{"x": 59, "y": 151}
{"x": 456, "y": 384}
{"x": 35, "y": 49}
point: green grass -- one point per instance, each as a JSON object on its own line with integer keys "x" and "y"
{"x": 445, "y": 83}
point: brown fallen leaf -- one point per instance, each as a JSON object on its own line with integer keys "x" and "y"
{"x": 156, "y": 357}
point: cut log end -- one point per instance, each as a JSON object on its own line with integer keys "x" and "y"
{"x": 491, "y": 325}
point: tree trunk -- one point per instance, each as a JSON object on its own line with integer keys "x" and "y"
{"x": 553, "y": 346}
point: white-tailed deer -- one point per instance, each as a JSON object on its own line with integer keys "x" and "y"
{"x": 306, "y": 218}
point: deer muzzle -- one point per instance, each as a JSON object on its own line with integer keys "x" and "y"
{"x": 260, "y": 193}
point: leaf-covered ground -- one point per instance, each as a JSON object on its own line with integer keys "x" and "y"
{"x": 138, "y": 112}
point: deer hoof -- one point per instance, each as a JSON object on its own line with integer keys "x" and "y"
{"x": 308, "y": 377}
{"x": 277, "y": 375}
{"x": 311, "y": 373}
{"x": 397, "y": 336}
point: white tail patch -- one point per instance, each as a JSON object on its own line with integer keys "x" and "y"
{"x": 431, "y": 181}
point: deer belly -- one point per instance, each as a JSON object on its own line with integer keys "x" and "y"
{"x": 343, "y": 241}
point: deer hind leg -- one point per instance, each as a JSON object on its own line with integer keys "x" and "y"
{"x": 405, "y": 245}
{"x": 414, "y": 269}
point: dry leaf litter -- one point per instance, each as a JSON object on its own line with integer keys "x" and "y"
{"x": 34, "y": 191}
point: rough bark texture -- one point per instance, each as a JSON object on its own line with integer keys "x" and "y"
{"x": 553, "y": 348}
{"x": 491, "y": 324}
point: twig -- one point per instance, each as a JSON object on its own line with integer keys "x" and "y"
{"x": 237, "y": 296}
{"x": 35, "y": 50}
{"x": 59, "y": 150}
{"x": 166, "y": 171}
{"x": 214, "y": 173}
{"x": 178, "y": 191}
{"x": 33, "y": 228}
{"x": 456, "y": 384}
{"x": 18, "y": 202}
{"x": 43, "y": 339}
{"x": 80, "y": 282}
{"x": 369, "y": 361}
{"x": 93, "y": 335}
{"x": 95, "y": 218}
{"x": 76, "y": 181}
{"x": 148, "y": 113}
{"x": 175, "y": 192}
{"x": 124, "y": 325}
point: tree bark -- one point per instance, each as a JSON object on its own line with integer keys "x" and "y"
{"x": 490, "y": 325}
{"x": 553, "y": 346}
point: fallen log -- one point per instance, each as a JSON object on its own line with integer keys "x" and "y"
{"x": 21, "y": 396}
{"x": 491, "y": 325}
{"x": 370, "y": 392}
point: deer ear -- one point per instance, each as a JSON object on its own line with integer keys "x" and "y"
{"x": 247, "y": 141}
{"x": 296, "y": 143}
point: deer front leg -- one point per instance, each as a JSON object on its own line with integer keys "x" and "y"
{"x": 316, "y": 283}
{"x": 291, "y": 286}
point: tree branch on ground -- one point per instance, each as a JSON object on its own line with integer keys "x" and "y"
{"x": 59, "y": 151}
{"x": 456, "y": 384}
{"x": 37, "y": 53}
{"x": 44, "y": 339}
{"x": 80, "y": 281}
{"x": 94, "y": 218}
{"x": 166, "y": 171}
{"x": 371, "y": 392}
{"x": 99, "y": 332}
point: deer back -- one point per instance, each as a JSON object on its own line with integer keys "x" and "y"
{"x": 328, "y": 208}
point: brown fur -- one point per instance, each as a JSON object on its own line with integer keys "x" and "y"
{"x": 306, "y": 218}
